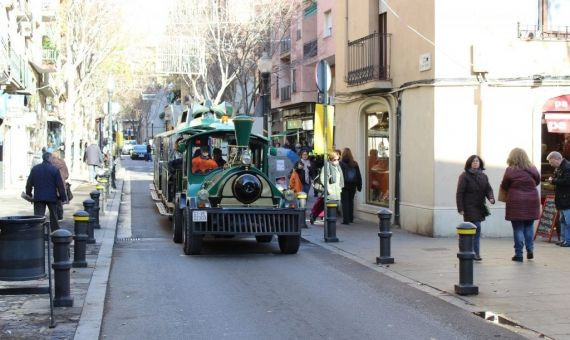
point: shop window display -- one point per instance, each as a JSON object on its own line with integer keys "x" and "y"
{"x": 378, "y": 160}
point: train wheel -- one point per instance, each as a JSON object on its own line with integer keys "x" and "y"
{"x": 289, "y": 244}
{"x": 192, "y": 243}
{"x": 264, "y": 238}
{"x": 177, "y": 225}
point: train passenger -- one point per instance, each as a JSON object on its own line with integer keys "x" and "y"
{"x": 203, "y": 163}
{"x": 217, "y": 153}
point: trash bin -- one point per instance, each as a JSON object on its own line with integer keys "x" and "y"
{"x": 22, "y": 248}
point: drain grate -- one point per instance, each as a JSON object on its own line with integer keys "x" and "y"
{"x": 127, "y": 239}
{"x": 435, "y": 249}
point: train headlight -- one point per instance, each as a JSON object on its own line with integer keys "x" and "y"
{"x": 246, "y": 157}
{"x": 203, "y": 195}
{"x": 289, "y": 195}
{"x": 247, "y": 188}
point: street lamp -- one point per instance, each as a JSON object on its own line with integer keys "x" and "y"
{"x": 264, "y": 67}
{"x": 110, "y": 89}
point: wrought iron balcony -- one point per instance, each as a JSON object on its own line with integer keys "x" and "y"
{"x": 49, "y": 55}
{"x": 537, "y": 32}
{"x": 310, "y": 49}
{"x": 285, "y": 45}
{"x": 49, "y": 10}
{"x": 4, "y": 61}
{"x": 369, "y": 59}
{"x": 285, "y": 93}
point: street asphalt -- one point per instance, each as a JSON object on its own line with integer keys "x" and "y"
{"x": 240, "y": 289}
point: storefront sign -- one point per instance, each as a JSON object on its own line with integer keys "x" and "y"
{"x": 294, "y": 124}
{"x": 557, "y": 104}
{"x": 558, "y": 122}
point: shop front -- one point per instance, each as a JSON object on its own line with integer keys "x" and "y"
{"x": 555, "y": 136}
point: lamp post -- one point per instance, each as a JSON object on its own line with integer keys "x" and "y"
{"x": 264, "y": 67}
{"x": 110, "y": 89}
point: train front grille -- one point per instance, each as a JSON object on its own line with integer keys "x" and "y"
{"x": 249, "y": 221}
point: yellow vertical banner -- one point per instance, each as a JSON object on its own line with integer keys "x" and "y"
{"x": 319, "y": 137}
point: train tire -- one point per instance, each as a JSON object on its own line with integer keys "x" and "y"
{"x": 192, "y": 243}
{"x": 177, "y": 225}
{"x": 264, "y": 238}
{"x": 289, "y": 244}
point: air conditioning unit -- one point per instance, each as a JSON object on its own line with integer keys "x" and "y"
{"x": 530, "y": 35}
{"x": 25, "y": 28}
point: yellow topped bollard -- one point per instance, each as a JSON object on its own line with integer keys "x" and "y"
{"x": 466, "y": 255}
{"x": 330, "y": 222}
{"x": 302, "y": 203}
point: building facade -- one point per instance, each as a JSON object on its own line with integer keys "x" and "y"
{"x": 296, "y": 51}
{"x": 426, "y": 84}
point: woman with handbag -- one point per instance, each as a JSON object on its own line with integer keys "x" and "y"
{"x": 334, "y": 185}
{"x": 522, "y": 201}
{"x": 472, "y": 189}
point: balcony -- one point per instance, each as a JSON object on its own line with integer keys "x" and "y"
{"x": 22, "y": 11}
{"x": 310, "y": 49}
{"x": 368, "y": 59}
{"x": 537, "y": 32}
{"x": 49, "y": 10}
{"x": 4, "y": 62}
{"x": 20, "y": 73}
{"x": 47, "y": 85}
{"x": 49, "y": 55}
{"x": 285, "y": 46}
{"x": 285, "y": 93}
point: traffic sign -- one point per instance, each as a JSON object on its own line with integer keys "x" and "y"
{"x": 323, "y": 76}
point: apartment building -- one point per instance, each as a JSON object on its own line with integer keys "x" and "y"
{"x": 426, "y": 83}
{"x": 28, "y": 118}
{"x": 296, "y": 51}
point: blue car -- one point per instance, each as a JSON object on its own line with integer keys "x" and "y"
{"x": 139, "y": 152}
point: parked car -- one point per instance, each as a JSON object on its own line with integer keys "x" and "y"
{"x": 139, "y": 152}
{"x": 128, "y": 146}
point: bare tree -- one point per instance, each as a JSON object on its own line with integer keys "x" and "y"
{"x": 232, "y": 33}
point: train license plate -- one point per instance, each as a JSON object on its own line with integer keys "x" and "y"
{"x": 199, "y": 216}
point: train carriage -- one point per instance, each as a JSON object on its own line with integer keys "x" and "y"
{"x": 236, "y": 199}
{"x": 165, "y": 178}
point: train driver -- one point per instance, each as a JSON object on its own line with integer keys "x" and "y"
{"x": 202, "y": 163}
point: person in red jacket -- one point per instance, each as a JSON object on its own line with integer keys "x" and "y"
{"x": 202, "y": 163}
{"x": 297, "y": 179}
{"x": 523, "y": 204}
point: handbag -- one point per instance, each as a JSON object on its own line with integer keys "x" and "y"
{"x": 68, "y": 192}
{"x": 486, "y": 210}
{"x": 502, "y": 195}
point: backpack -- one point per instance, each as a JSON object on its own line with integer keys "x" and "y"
{"x": 350, "y": 175}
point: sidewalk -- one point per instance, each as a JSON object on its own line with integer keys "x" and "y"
{"x": 27, "y": 316}
{"x": 534, "y": 294}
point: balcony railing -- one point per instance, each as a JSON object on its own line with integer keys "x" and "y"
{"x": 49, "y": 55}
{"x": 285, "y": 45}
{"x": 537, "y": 32}
{"x": 310, "y": 49}
{"x": 4, "y": 57}
{"x": 49, "y": 10}
{"x": 369, "y": 59}
{"x": 285, "y": 93}
{"x": 20, "y": 70}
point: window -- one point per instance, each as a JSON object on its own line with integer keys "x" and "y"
{"x": 328, "y": 24}
{"x": 299, "y": 28}
{"x": 294, "y": 80}
{"x": 556, "y": 15}
{"x": 276, "y": 86}
{"x": 378, "y": 159}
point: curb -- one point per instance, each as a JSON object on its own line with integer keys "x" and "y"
{"x": 91, "y": 318}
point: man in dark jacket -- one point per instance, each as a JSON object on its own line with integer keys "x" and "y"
{"x": 561, "y": 180}
{"x": 48, "y": 188}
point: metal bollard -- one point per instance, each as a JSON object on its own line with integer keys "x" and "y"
{"x": 95, "y": 197}
{"x": 105, "y": 183}
{"x": 466, "y": 232}
{"x": 384, "y": 215}
{"x": 61, "y": 265}
{"x": 89, "y": 206}
{"x": 103, "y": 199}
{"x": 81, "y": 219}
{"x": 330, "y": 222}
{"x": 302, "y": 199}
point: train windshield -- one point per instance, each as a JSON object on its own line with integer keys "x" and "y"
{"x": 219, "y": 150}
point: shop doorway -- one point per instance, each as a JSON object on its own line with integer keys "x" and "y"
{"x": 555, "y": 137}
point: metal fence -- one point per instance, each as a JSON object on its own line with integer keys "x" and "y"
{"x": 285, "y": 93}
{"x": 369, "y": 59}
{"x": 310, "y": 49}
{"x": 285, "y": 45}
{"x": 538, "y": 32}
{"x": 49, "y": 55}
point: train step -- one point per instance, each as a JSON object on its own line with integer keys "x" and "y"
{"x": 162, "y": 210}
{"x": 154, "y": 195}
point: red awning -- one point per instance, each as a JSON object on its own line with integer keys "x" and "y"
{"x": 557, "y": 104}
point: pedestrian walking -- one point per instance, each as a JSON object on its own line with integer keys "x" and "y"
{"x": 59, "y": 163}
{"x": 561, "y": 180}
{"x": 334, "y": 185}
{"x": 297, "y": 177}
{"x": 352, "y": 182}
{"x": 472, "y": 189}
{"x": 148, "y": 152}
{"x": 523, "y": 204}
{"x": 46, "y": 187}
{"x": 94, "y": 159}
{"x": 307, "y": 167}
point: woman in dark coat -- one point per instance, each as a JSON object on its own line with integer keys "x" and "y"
{"x": 472, "y": 189}
{"x": 352, "y": 182}
{"x": 523, "y": 204}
